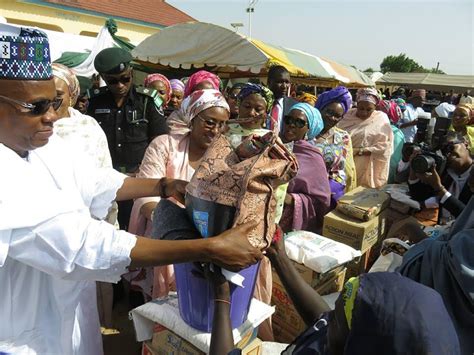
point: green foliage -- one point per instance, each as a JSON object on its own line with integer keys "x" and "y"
{"x": 400, "y": 64}
{"x": 403, "y": 64}
{"x": 369, "y": 70}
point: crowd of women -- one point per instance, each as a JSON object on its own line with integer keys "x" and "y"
{"x": 339, "y": 144}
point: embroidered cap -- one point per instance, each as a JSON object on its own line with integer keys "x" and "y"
{"x": 24, "y": 54}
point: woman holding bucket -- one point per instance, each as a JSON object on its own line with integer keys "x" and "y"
{"x": 203, "y": 116}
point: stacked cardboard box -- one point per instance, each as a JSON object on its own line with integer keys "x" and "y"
{"x": 286, "y": 322}
{"x": 357, "y": 233}
{"x": 165, "y": 342}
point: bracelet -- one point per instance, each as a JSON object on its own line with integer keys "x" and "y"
{"x": 152, "y": 216}
{"x": 221, "y": 300}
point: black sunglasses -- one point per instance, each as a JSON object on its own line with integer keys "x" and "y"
{"x": 37, "y": 108}
{"x": 115, "y": 81}
{"x": 331, "y": 113}
{"x": 295, "y": 122}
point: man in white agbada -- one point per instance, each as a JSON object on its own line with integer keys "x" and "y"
{"x": 51, "y": 248}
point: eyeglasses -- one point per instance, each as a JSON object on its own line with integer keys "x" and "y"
{"x": 294, "y": 121}
{"x": 233, "y": 96}
{"x": 115, "y": 81}
{"x": 37, "y": 108}
{"x": 331, "y": 113}
{"x": 211, "y": 124}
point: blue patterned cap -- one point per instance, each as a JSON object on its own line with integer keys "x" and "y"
{"x": 24, "y": 54}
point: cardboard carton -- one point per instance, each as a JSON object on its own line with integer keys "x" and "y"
{"x": 363, "y": 203}
{"x": 310, "y": 276}
{"x": 284, "y": 333}
{"x": 166, "y": 342}
{"x": 334, "y": 284}
{"x": 355, "y": 233}
{"x": 286, "y": 321}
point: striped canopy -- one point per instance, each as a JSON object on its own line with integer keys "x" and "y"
{"x": 230, "y": 54}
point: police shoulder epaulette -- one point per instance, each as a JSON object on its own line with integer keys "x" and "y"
{"x": 97, "y": 92}
{"x": 145, "y": 91}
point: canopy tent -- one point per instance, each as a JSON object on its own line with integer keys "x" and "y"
{"x": 428, "y": 81}
{"x": 196, "y": 45}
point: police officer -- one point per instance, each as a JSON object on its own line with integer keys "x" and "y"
{"x": 126, "y": 113}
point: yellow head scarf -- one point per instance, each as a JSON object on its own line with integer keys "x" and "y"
{"x": 307, "y": 98}
{"x": 349, "y": 295}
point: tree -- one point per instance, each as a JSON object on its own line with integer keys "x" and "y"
{"x": 401, "y": 64}
{"x": 369, "y": 70}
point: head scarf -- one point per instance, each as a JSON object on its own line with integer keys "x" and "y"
{"x": 398, "y": 315}
{"x": 180, "y": 120}
{"x": 177, "y": 85}
{"x": 199, "y": 77}
{"x": 444, "y": 109}
{"x": 65, "y": 74}
{"x": 308, "y": 98}
{"x": 249, "y": 89}
{"x": 419, "y": 93}
{"x": 392, "y": 110}
{"x": 154, "y": 77}
{"x": 315, "y": 121}
{"x": 401, "y": 103}
{"x": 369, "y": 95}
{"x": 339, "y": 94}
{"x": 470, "y": 110}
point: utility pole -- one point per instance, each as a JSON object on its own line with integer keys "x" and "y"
{"x": 250, "y": 10}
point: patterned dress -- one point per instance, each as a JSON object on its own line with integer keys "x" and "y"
{"x": 336, "y": 150}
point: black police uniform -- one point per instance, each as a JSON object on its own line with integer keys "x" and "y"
{"x": 130, "y": 128}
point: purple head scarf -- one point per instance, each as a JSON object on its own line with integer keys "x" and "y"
{"x": 339, "y": 94}
{"x": 177, "y": 85}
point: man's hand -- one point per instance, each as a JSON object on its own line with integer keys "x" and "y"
{"x": 174, "y": 188}
{"x": 232, "y": 250}
{"x": 408, "y": 229}
{"x": 432, "y": 179}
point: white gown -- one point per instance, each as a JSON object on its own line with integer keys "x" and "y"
{"x": 52, "y": 250}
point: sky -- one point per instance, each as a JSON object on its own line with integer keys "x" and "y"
{"x": 354, "y": 32}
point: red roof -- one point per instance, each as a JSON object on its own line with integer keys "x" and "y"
{"x": 152, "y": 11}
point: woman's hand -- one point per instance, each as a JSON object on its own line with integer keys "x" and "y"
{"x": 232, "y": 250}
{"x": 277, "y": 250}
{"x": 147, "y": 209}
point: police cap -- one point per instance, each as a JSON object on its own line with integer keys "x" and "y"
{"x": 112, "y": 60}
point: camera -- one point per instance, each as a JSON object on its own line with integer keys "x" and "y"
{"x": 429, "y": 147}
{"x": 426, "y": 158}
